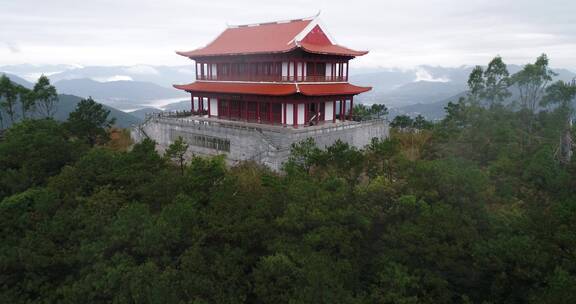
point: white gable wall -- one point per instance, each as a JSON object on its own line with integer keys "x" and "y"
{"x": 307, "y": 29}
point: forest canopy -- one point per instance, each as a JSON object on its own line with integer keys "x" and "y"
{"x": 477, "y": 208}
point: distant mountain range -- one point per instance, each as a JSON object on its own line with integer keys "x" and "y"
{"x": 176, "y": 106}
{"x": 429, "y": 91}
{"x": 144, "y": 89}
{"x": 122, "y": 94}
{"x": 67, "y": 103}
{"x": 164, "y": 76}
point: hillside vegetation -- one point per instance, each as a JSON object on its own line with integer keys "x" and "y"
{"x": 477, "y": 208}
{"x": 21, "y": 90}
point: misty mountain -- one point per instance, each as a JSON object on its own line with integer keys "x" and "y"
{"x": 383, "y": 80}
{"x": 431, "y": 111}
{"x": 123, "y": 94}
{"x": 421, "y": 92}
{"x": 31, "y": 72}
{"x": 66, "y": 104}
{"x": 426, "y": 97}
{"x": 164, "y": 76}
{"x": 148, "y": 87}
{"x": 176, "y": 106}
{"x": 18, "y": 80}
{"x": 424, "y": 84}
{"x": 141, "y": 113}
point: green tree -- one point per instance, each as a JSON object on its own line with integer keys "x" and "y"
{"x": 31, "y": 152}
{"x": 379, "y": 109}
{"x": 402, "y": 122}
{"x": 563, "y": 95}
{"x": 362, "y": 112}
{"x": 177, "y": 151}
{"x": 532, "y": 81}
{"x": 476, "y": 84}
{"x": 475, "y": 219}
{"x": 27, "y": 100}
{"x": 90, "y": 122}
{"x": 8, "y": 97}
{"x": 497, "y": 81}
{"x": 45, "y": 96}
{"x": 421, "y": 123}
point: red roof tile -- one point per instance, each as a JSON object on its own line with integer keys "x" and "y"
{"x": 274, "y": 89}
{"x": 264, "y": 38}
{"x": 275, "y": 37}
{"x": 331, "y": 89}
{"x": 331, "y": 49}
{"x": 239, "y": 88}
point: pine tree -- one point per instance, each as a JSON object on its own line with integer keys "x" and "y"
{"x": 176, "y": 152}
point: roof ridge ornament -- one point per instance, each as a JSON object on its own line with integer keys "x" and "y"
{"x": 273, "y": 22}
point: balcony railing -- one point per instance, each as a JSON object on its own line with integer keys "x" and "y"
{"x": 274, "y": 78}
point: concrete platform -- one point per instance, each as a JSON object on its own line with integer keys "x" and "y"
{"x": 241, "y": 141}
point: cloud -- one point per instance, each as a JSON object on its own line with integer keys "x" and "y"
{"x": 187, "y": 71}
{"x": 113, "y": 78}
{"x": 142, "y": 70}
{"x": 423, "y": 75}
{"x": 404, "y": 33}
{"x": 13, "y": 47}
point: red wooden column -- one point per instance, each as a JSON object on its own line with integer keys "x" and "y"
{"x": 343, "y": 109}
{"x": 191, "y": 103}
{"x": 228, "y": 107}
{"x": 296, "y": 70}
{"x": 317, "y": 112}
{"x": 269, "y": 112}
{"x": 246, "y": 109}
{"x": 347, "y": 70}
{"x": 351, "y": 106}
{"x": 295, "y": 114}
{"x": 284, "y": 107}
{"x": 258, "y": 112}
{"x": 334, "y": 111}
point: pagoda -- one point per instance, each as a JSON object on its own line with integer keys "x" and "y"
{"x": 290, "y": 73}
{"x": 262, "y": 87}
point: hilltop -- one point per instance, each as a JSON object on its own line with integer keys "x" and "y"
{"x": 67, "y": 103}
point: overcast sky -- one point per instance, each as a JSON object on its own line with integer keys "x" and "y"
{"x": 402, "y": 33}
